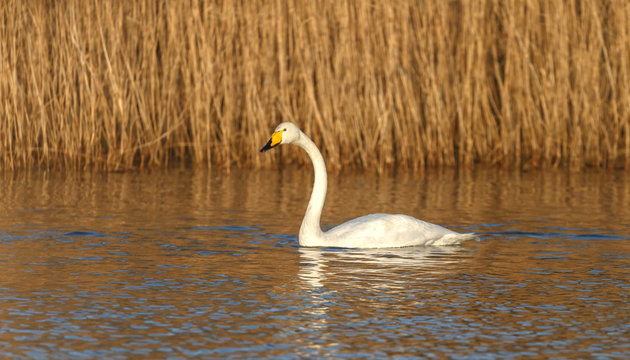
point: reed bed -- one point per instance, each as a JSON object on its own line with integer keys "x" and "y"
{"x": 377, "y": 84}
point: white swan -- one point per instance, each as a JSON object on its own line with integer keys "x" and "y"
{"x": 369, "y": 231}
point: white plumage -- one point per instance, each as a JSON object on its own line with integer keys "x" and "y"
{"x": 369, "y": 231}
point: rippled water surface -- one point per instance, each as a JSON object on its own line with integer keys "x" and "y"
{"x": 193, "y": 263}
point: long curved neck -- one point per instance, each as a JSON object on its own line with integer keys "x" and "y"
{"x": 310, "y": 229}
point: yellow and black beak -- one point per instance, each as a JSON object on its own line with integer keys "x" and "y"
{"x": 276, "y": 139}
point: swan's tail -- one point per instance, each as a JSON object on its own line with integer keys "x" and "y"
{"x": 455, "y": 239}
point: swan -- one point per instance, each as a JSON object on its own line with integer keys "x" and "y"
{"x": 369, "y": 231}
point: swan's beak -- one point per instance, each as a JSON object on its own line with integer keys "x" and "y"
{"x": 276, "y": 139}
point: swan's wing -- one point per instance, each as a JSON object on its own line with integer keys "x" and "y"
{"x": 386, "y": 230}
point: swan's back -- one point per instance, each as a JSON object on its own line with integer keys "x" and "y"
{"x": 387, "y": 230}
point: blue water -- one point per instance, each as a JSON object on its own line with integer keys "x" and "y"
{"x": 188, "y": 264}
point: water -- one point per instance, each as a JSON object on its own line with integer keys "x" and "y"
{"x": 189, "y": 263}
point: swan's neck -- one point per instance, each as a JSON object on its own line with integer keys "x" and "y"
{"x": 310, "y": 230}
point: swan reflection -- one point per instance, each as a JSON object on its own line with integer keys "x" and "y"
{"x": 370, "y": 284}
{"x": 376, "y": 267}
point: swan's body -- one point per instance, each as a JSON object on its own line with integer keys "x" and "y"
{"x": 369, "y": 231}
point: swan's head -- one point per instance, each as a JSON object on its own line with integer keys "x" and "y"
{"x": 285, "y": 133}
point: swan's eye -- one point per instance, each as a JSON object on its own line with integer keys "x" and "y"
{"x": 285, "y": 129}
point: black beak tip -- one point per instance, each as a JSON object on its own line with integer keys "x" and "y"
{"x": 267, "y": 146}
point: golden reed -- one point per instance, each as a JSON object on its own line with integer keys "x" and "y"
{"x": 377, "y": 84}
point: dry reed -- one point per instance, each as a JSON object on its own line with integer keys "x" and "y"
{"x": 377, "y": 84}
